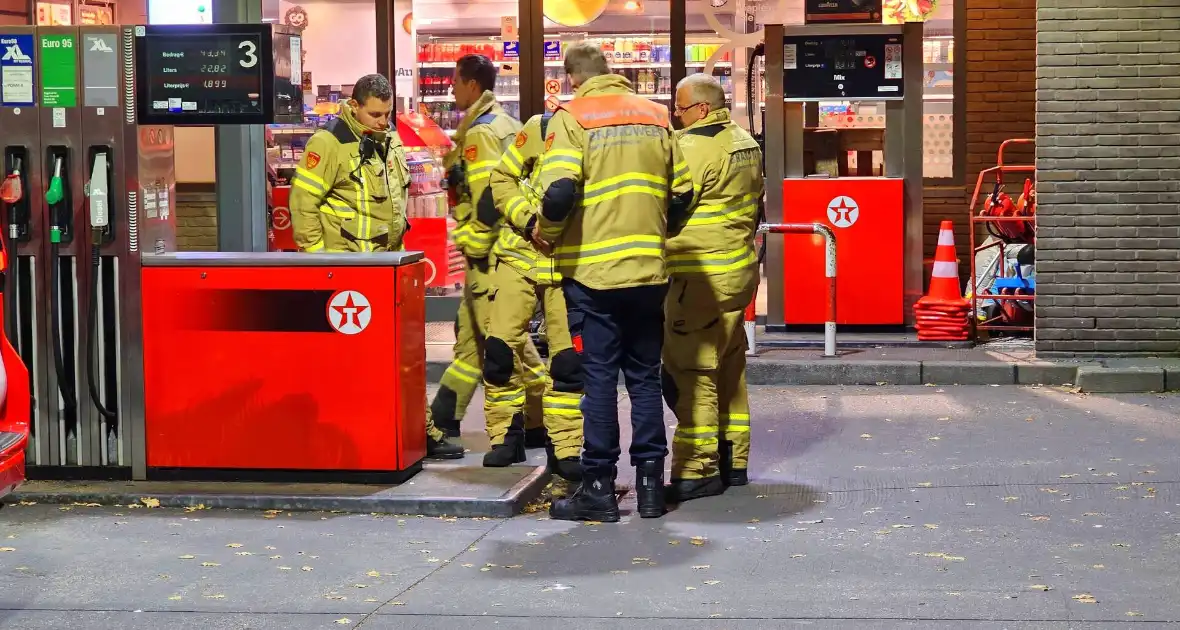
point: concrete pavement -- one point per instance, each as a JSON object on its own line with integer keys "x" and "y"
{"x": 871, "y": 507}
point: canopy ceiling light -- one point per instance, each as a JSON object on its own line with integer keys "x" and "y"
{"x": 574, "y": 12}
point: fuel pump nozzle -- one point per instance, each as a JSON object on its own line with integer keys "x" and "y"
{"x": 98, "y": 195}
{"x": 54, "y": 196}
{"x": 12, "y": 189}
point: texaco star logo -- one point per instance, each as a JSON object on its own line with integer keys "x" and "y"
{"x": 349, "y": 312}
{"x": 843, "y": 211}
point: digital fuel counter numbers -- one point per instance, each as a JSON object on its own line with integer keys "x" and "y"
{"x": 208, "y": 74}
{"x": 842, "y": 67}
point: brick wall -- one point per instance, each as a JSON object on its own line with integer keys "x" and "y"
{"x": 1001, "y": 81}
{"x": 1108, "y": 160}
{"x": 196, "y": 221}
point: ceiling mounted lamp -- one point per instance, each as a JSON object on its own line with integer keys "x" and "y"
{"x": 573, "y": 12}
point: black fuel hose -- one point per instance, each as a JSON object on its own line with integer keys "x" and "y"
{"x": 64, "y": 385}
{"x": 91, "y": 340}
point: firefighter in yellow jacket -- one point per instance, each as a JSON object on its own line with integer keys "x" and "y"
{"x": 614, "y": 185}
{"x": 714, "y": 270}
{"x": 482, "y": 136}
{"x": 349, "y": 193}
{"x": 524, "y": 277}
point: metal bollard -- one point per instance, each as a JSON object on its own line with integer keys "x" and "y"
{"x": 829, "y": 270}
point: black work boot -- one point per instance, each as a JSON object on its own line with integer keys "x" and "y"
{"x": 442, "y": 410}
{"x": 442, "y": 449}
{"x": 536, "y": 437}
{"x": 730, "y": 476}
{"x": 649, "y": 488}
{"x": 568, "y": 468}
{"x": 681, "y": 490}
{"x": 594, "y": 500}
{"x": 512, "y": 450}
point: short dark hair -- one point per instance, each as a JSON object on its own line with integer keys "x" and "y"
{"x": 479, "y": 69}
{"x": 372, "y": 85}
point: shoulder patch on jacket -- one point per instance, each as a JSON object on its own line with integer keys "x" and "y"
{"x": 521, "y": 139}
{"x": 549, "y": 140}
{"x": 470, "y": 153}
{"x": 708, "y": 131}
{"x": 313, "y": 159}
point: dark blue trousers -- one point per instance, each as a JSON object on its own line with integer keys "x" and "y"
{"x": 621, "y": 329}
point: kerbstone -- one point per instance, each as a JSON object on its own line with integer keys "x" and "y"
{"x": 834, "y": 372}
{"x": 1101, "y": 380}
{"x": 968, "y": 372}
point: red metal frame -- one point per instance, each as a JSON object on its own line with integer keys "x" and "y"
{"x": 999, "y": 171}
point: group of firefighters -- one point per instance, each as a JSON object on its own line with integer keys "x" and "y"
{"x": 636, "y": 240}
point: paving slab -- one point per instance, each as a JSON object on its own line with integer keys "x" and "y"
{"x": 56, "y": 620}
{"x": 95, "y": 558}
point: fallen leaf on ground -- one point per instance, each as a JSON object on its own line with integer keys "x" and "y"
{"x": 284, "y": 568}
{"x": 243, "y": 553}
{"x": 925, "y": 484}
{"x": 360, "y": 586}
{"x": 712, "y": 582}
{"x": 1085, "y": 598}
{"x": 944, "y": 419}
{"x": 344, "y": 621}
{"x": 397, "y": 603}
{"x": 371, "y": 600}
{"x": 378, "y": 573}
{"x": 210, "y": 564}
{"x": 798, "y": 555}
{"x": 867, "y": 436}
{"x": 930, "y": 526}
{"x": 6, "y": 549}
{"x": 187, "y": 556}
{"x": 1011, "y": 499}
{"x": 700, "y": 567}
{"x": 673, "y": 542}
{"x": 1041, "y": 587}
{"x": 699, "y": 541}
{"x": 1039, "y": 518}
{"x": 193, "y": 508}
{"x": 218, "y": 596}
{"x": 934, "y": 438}
{"x": 234, "y": 545}
{"x": 1131, "y": 613}
{"x": 690, "y": 588}
{"x": 1098, "y": 566}
{"x": 150, "y": 502}
{"x": 305, "y": 568}
{"x": 1066, "y": 476}
{"x": 175, "y": 598}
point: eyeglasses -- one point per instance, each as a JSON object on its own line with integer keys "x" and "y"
{"x": 680, "y": 110}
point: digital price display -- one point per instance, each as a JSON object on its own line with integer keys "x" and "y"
{"x": 213, "y": 74}
{"x": 842, "y": 67}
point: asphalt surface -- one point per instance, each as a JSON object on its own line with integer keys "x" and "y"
{"x": 870, "y": 507}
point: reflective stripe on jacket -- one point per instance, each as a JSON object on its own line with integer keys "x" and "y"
{"x": 726, "y": 166}
{"x": 484, "y": 133}
{"x": 513, "y": 189}
{"x": 340, "y": 205}
{"x": 610, "y": 171}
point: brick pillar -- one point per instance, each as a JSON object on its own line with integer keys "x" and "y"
{"x": 196, "y": 221}
{"x": 1001, "y": 80}
{"x": 1108, "y": 160}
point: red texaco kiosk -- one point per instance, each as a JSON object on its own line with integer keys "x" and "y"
{"x": 877, "y": 219}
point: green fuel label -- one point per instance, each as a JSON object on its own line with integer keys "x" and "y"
{"x": 59, "y": 71}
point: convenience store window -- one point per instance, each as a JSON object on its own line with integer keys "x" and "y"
{"x": 446, "y": 30}
{"x": 635, "y": 36}
{"x": 736, "y": 26}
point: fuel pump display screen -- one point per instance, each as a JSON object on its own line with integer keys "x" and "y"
{"x": 206, "y": 74}
{"x": 842, "y": 67}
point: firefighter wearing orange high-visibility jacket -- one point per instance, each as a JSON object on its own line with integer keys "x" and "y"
{"x": 523, "y": 278}
{"x": 349, "y": 194}
{"x": 485, "y": 131}
{"x": 614, "y": 186}
{"x": 714, "y": 271}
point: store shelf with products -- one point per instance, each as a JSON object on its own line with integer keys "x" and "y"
{"x": 427, "y": 210}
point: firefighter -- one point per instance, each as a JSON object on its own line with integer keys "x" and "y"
{"x": 483, "y": 134}
{"x": 523, "y": 278}
{"x": 614, "y": 184}
{"x": 349, "y": 193}
{"x": 714, "y": 274}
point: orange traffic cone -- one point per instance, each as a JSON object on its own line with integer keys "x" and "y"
{"x": 942, "y": 315}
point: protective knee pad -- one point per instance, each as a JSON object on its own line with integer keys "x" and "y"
{"x": 566, "y": 369}
{"x": 497, "y": 362}
{"x": 668, "y": 384}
